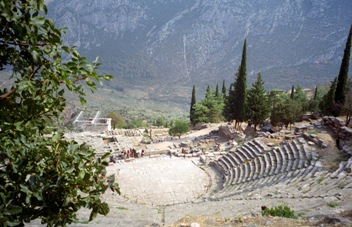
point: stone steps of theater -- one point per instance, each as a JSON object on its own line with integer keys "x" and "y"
{"x": 288, "y": 177}
{"x": 316, "y": 184}
{"x": 241, "y": 166}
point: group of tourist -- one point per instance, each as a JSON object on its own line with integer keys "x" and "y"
{"x": 125, "y": 154}
{"x": 132, "y": 153}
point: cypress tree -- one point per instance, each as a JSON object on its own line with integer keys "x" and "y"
{"x": 258, "y": 102}
{"x": 340, "y": 92}
{"x": 208, "y": 92}
{"x": 193, "y": 101}
{"x": 217, "y": 90}
{"x": 223, "y": 90}
{"x": 313, "y": 103}
{"x": 229, "y": 104}
{"x": 327, "y": 104}
{"x": 292, "y": 92}
{"x": 240, "y": 89}
{"x": 315, "y": 93}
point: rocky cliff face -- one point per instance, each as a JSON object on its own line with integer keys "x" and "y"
{"x": 177, "y": 43}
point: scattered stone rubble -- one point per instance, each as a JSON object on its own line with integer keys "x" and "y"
{"x": 341, "y": 131}
{"x": 338, "y": 126}
{"x": 124, "y": 132}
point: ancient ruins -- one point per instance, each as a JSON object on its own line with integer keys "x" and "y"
{"x": 217, "y": 171}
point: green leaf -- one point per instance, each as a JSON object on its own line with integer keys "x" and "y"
{"x": 13, "y": 210}
{"x": 93, "y": 214}
{"x": 103, "y": 209}
{"x": 18, "y": 125}
{"x": 24, "y": 189}
{"x": 3, "y": 220}
{"x": 82, "y": 101}
{"x": 105, "y": 155}
{"x": 61, "y": 93}
{"x": 36, "y": 56}
{"x": 13, "y": 223}
{"x": 90, "y": 83}
{"x": 66, "y": 49}
{"x": 57, "y": 137}
{"x": 81, "y": 174}
{"x": 107, "y": 77}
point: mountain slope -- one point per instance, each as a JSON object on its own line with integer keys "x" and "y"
{"x": 163, "y": 47}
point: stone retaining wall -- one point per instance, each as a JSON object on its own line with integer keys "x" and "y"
{"x": 339, "y": 127}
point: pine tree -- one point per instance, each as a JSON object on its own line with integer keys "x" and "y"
{"x": 258, "y": 102}
{"x": 208, "y": 110}
{"x": 193, "y": 101}
{"x": 285, "y": 112}
{"x": 239, "y": 114}
{"x": 340, "y": 92}
{"x": 208, "y": 92}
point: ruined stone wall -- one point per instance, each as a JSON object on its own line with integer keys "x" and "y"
{"x": 339, "y": 127}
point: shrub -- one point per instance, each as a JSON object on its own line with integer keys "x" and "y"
{"x": 320, "y": 179}
{"x": 279, "y": 211}
{"x": 333, "y": 204}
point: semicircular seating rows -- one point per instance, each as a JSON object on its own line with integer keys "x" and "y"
{"x": 254, "y": 165}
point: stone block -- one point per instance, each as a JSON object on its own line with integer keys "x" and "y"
{"x": 270, "y": 144}
{"x": 203, "y": 158}
{"x": 196, "y": 154}
{"x": 311, "y": 143}
{"x": 210, "y": 155}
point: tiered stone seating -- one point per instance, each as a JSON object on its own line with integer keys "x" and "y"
{"x": 252, "y": 169}
{"x": 234, "y": 158}
{"x": 254, "y": 147}
{"x": 255, "y": 165}
{"x": 229, "y": 160}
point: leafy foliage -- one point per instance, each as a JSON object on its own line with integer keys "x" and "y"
{"x": 136, "y": 123}
{"x": 117, "y": 120}
{"x": 161, "y": 122}
{"x": 210, "y": 109}
{"x": 300, "y": 97}
{"x": 333, "y": 204}
{"x": 285, "y": 111}
{"x": 279, "y": 211}
{"x": 43, "y": 177}
{"x": 179, "y": 128}
{"x": 313, "y": 103}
